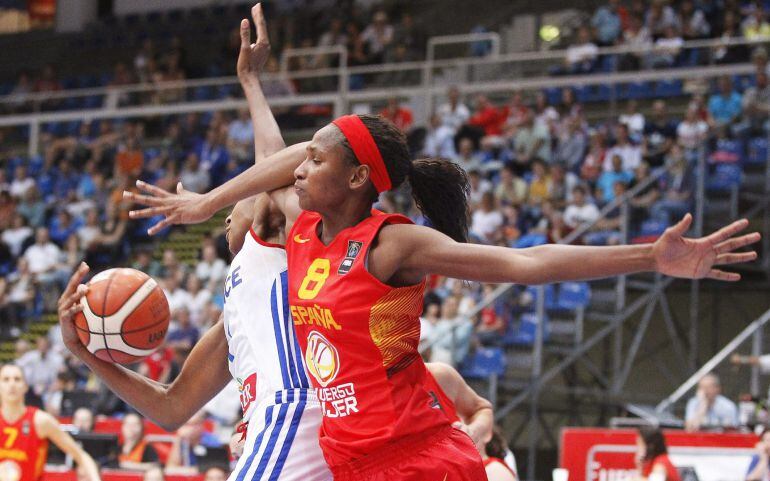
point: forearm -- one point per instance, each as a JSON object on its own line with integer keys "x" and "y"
{"x": 275, "y": 172}
{"x": 559, "y": 263}
{"x": 267, "y": 134}
{"x": 87, "y": 463}
{"x": 482, "y": 422}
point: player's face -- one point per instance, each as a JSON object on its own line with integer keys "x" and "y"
{"x": 324, "y": 180}
{"x": 13, "y": 387}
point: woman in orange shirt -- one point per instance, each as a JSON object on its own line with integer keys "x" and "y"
{"x": 652, "y": 456}
{"x": 135, "y": 452}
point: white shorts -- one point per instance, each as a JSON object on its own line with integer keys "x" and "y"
{"x": 282, "y": 441}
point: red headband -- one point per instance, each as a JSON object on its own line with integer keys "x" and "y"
{"x": 365, "y": 149}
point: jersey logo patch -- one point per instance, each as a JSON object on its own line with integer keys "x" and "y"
{"x": 299, "y": 240}
{"x": 321, "y": 358}
{"x": 354, "y": 248}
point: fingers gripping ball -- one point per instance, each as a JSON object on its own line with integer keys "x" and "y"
{"x": 125, "y": 316}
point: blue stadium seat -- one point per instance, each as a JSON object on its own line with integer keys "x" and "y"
{"x": 573, "y": 295}
{"x": 550, "y": 296}
{"x": 553, "y": 95}
{"x": 608, "y": 63}
{"x": 638, "y": 90}
{"x": 202, "y": 93}
{"x": 652, "y": 227}
{"x": 668, "y": 88}
{"x": 524, "y": 333}
{"x": 582, "y": 93}
{"x": 485, "y": 362}
{"x": 530, "y": 240}
{"x": 757, "y": 151}
{"x": 725, "y": 177}
{"x": 727, "y": 151}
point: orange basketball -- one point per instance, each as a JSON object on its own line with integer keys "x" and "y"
{"x": 125, "y": 316}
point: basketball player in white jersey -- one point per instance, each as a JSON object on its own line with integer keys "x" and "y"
{"x": 254, "y": 340}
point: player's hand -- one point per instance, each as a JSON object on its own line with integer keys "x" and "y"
{"x": 237, "y": 443}
{"x": 253, "y": 56}
{"x": 69, "y": 305}
{"x": 476, "y": 437}
{"x": 184, "y": 207}
{"x": 678, "y": 256}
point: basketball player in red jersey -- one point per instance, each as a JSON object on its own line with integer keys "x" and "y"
{"x": 26, "y": 431}
{"x": 356, "y": 279}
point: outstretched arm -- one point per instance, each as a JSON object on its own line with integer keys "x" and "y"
{"x": 48, "y": 427}
{"x": 421, "y": 250}
{"x": 203, "y": 375}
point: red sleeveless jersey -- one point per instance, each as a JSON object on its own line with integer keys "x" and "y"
{"x": 21, "y": 449}
{"x": 359, "y": 337}
{"x": 440, "y": 399}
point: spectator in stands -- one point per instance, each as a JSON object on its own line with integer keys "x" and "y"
{"x": 17, "y": 235}
{"x": 21, "y": 183}
{"x": 41, "y": 366}
{"x": 539, "y": 185}
{"x": 83, "y": 420}
{"x": 580, "y": 210}
{"x": 32, "y": 208}
{"x": 692, "y": 131}
{"x": 377, "y": 37}
{"x": 439, "y": 139}
{"x": 20, "y": 92}
{"x": 630, "y": 154}
{"x": 106, "y": 247}
{"x": 7, "y": 208}
{"x": 215, "y": 473}
{"x": 487, "y": 220}
{"x": 755, "y": 24}
{"x": 63, "y": 226}
{"x": 428, "y": 321}
{"x": 637, "y": 37}
{"x": 725, "y": 53}
{"x": 694, "y": 22}
{"x": 453, "y": 113}
{"x": 709, "y": 409}
{"x": 645, "y": 198}
{"x": 666, "y": 49}
{"x": 451, "y": 336}
{"x": 19, "y": 297}
{"x": 214, "y": 156}
{"x": 511, "y": 189}
{"x": 43, "y": 258}
{"x": 200, "y": 298}
{"x": 240, "y": 136}
{"x": 725, "y": 105}
{"x": 659, "y": 17}
{"x": 593, "y": 162}
{"x": 193, "y": 176}
{"x": 210, "y": 269}
{"x": 633, "y": 119}
{"x": 659, "y": 136}
{"x": 571, "y": 146}
{"x": 183, "y": 458}
{"x": 491, "y": 325}
{"x": 607, "y": 230}
{"x": 652, "y": 456}
{"x": 466, "y": 156}
{"x": 333, "y": 36}
{"x": 756, "y": 108}
{"x": 515, "y": 111}
{"x": 135, "y": 452}
{"x": 607, "y": 22}
{"x": 605, "y": 186}
{"x": 47, "y": 82}
{"x": 401, "y": 116}
{"x": 52, "y": 398}
{"x": 487, "y": 117}
{"x": 182, "y": 332}
{"x": 676, "y": 189}
{"x": 171, "y": 267}
{"x": 562, "y": 183}
{"x": 581, "y": 56}
{"x": 531, "y": 141}
{"x": 142, "y": 59}
{"x": 759, "y": 467}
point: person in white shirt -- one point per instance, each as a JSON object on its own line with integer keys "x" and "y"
{"x": 708, "y": 408}
{"x": 439, "y": 140}
{"x": 43, "y": 256}
{"x": 41, "y": 366}
{"x": 15, "y": 236}
{"x": 692, "y": 131}
{"x": 581, "y": 56}
{"x": 211, "y": 268}
{"x": 21, "y": 182}
{"x": 193, "y": 176}
{"x": 630, "y": 153}
{"x": 487, "y": 219}
{"x": 466, "y": 156}
{"x": 378, "y": 36}
{"x": 240, "y": 136}
{"x": 454, "y": 113}
{"x": 633, "y": 119}
{"x": 580, "y": 211}
{"x": 199, "y": 299}
{"x": 177, "y": 297}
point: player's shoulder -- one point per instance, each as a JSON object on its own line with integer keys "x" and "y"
{"x": 44, "y": 422}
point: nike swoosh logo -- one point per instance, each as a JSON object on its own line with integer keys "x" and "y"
{"x": 300, "y": 240}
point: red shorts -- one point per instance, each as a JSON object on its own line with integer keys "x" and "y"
{"x": 444, "y": 455}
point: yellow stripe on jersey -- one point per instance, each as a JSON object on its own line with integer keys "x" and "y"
{"x": 394, "y": 325}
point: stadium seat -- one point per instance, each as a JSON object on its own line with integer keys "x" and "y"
{"x": 530, "y": 240}
{"x": 524, "y": 333}
{"x": 550, "y": 296}
{"x": 652, "y": 227}
{"x": 573, "y": 295}
{"x": 668, "y": 88}
{"x": 725, "y": 178}
{"x": 485, "y": 362}
{"x": 553, "y": 95}
{"x": 638, "y": 90}
{"x": 757, "y": 151}
{"x": 727, "y": 151}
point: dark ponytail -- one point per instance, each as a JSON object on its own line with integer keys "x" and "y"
{"x": 439, "y": 187}
{"x": 496, "y": 447}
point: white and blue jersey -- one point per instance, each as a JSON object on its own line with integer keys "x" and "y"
{"x": 281, "y": 408}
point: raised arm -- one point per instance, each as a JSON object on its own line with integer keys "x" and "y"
{"x": 267, "y": 133}
{"x": 48, "y": 427}
{"x": 419, "y": 251}
{"x": 203, "y": 375}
